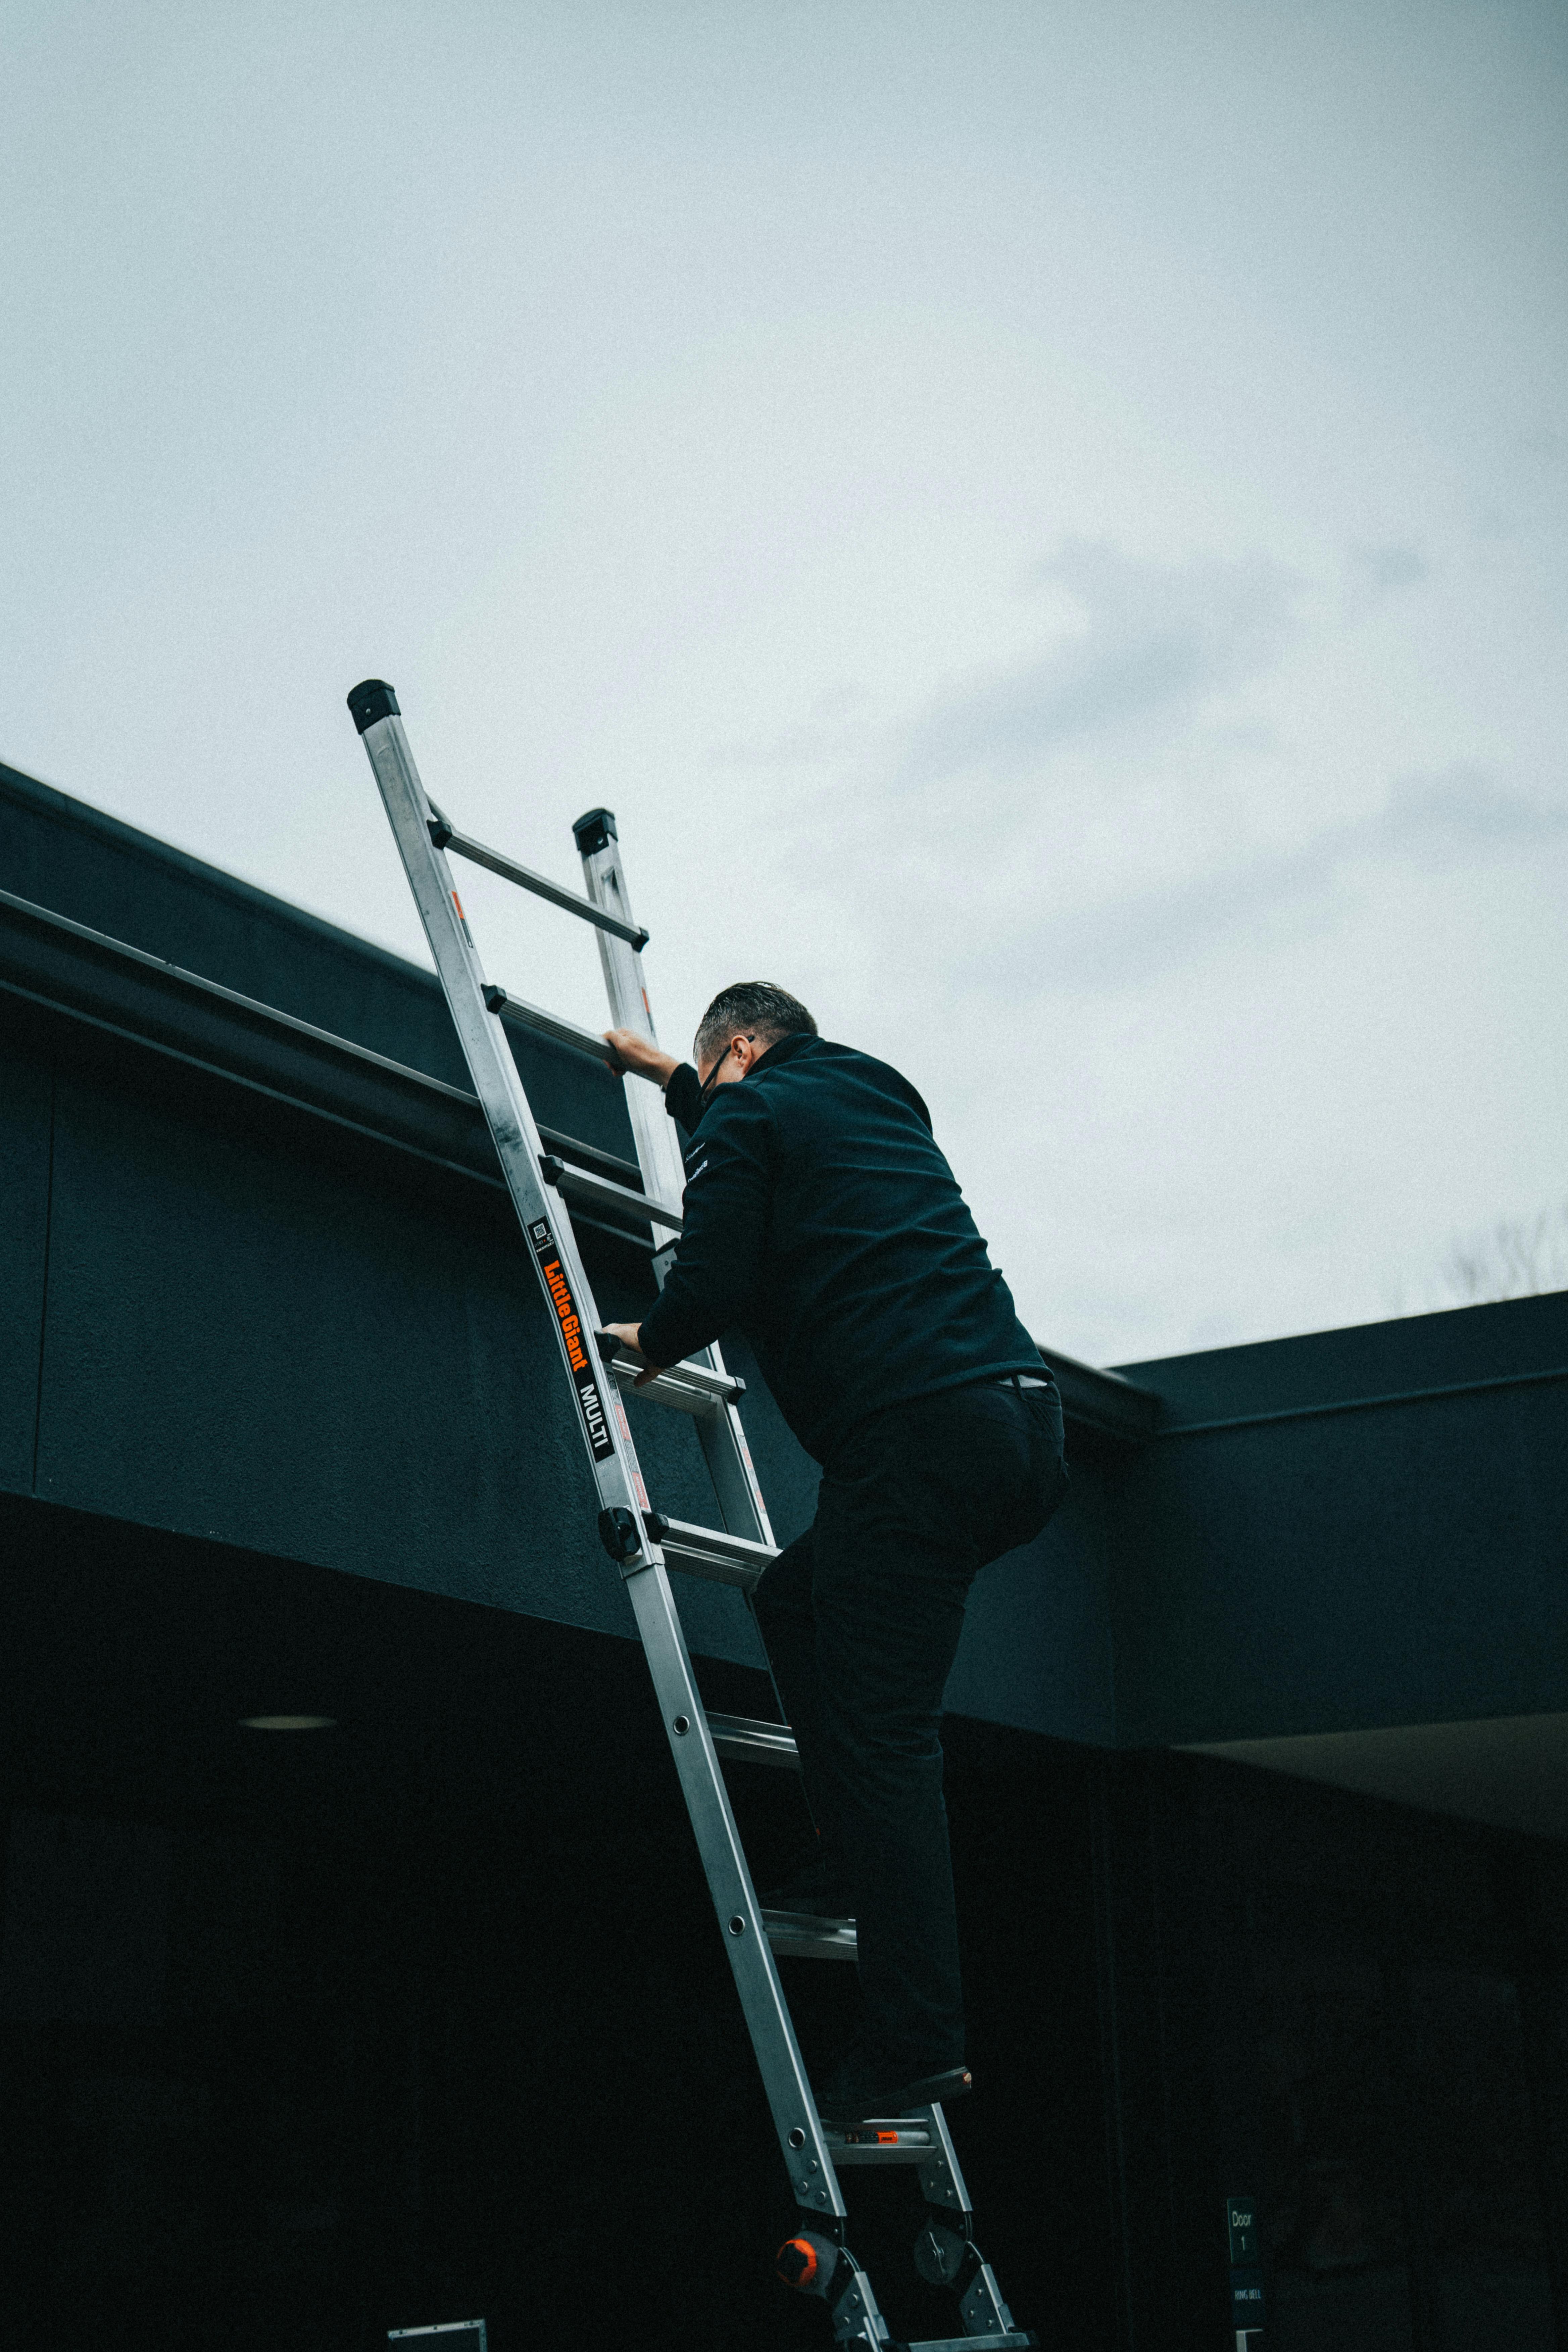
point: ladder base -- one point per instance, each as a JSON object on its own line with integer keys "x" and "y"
{"x": 1015, "y": 2340}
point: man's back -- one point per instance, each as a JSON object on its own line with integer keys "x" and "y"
{"x": 822, "y": 1218}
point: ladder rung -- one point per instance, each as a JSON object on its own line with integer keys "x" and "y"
{"x": 604, "y": 1193}
{"x": 520, "y": 1014}
{"x": 690, "y": 1388}
{"x": 742, "y": 1739}
{"x": 577, "y": 1153}
{"x": 891, "y": 2139}
{"x": 724, "y": 1559}
{"x": 795, "y": 1936}
{"x": 445, "y": 835}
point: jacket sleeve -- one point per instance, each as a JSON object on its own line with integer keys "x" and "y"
{"x": 728, "y": 1197}
{"x": 683, "y": 1097}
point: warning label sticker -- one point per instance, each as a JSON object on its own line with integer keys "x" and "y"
{"x": 584, "y": 1380}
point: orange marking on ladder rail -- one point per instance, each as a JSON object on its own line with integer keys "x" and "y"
{"x": 567, "y": 1314}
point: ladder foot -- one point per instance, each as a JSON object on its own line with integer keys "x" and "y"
{"x": 813, "y": 2265}
{"x": 806, "y": 2262}
{"x": 1013, "y": 2341}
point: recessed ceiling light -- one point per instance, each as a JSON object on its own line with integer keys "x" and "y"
{"x": 290, "y": 1722}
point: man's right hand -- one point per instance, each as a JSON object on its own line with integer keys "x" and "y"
{"x": 630, "y": 1050}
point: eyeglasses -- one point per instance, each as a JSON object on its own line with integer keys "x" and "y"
{"x": 705, "y": 1088}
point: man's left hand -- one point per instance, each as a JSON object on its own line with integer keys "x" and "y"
{"x": 630, "y": 1336}
{"x": 631, "y": 1051}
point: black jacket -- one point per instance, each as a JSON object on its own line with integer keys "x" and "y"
{"x": 822, "y": 1219}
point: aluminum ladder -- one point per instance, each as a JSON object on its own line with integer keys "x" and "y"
{"x": 645, "y": 1545}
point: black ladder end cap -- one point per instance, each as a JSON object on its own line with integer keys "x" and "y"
{"x": 371, "y": 699}
{"x": 593, "y": 831}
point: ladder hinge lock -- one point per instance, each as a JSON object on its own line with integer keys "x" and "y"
{"x": 596, "y": 830}
{"x": 371, "y": 699}
{"x": 494, "y": 997}
{"x": 939, "y": 2252}
{"x": 620, "y": 1534}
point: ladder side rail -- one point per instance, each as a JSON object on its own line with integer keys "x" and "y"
{"x": 942, "y": 2176}
{"x": 421, "y": 835}
{"x": 546, "y": 1226}
{"x": 721, "y": 1436}
{"x": 616, "y": 1474}
{"x": 658, "y": 1152}
{"x": 802, "y": 2140}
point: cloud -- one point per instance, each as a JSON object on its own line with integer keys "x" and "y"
{"x": 1082, "y": 810}
{"x": 1446, "y": 820}
{"x": 1385, "y": 569}
{"x": 1136, "y": 654}
{"x": 1438, "y": 822}
{"x": 1156, "y": 642}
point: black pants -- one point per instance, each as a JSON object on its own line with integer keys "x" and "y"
{"x": 861, "y": 1616}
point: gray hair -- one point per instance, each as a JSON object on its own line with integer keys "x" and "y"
{"x": 758, "y": 1006}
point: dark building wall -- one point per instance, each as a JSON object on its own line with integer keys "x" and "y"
{"x": 360, "y": 2039}
{"x": 262, "y": 1330}
{"x": 1372, "y": 1534}
{"x": 305, "y": 2037}
{"x": 427, "y": 2015}
{"x": 285, "y": 1307}
{"x": 1354, "y": 2016}
{"x": 290, "y": 1312}
{"x": 257, "y": 1332}
{"x": 58, "y": 853}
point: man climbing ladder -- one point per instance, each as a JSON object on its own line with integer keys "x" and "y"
{"x": 822, "y": 1219}
{"x": 841, "y": 1243}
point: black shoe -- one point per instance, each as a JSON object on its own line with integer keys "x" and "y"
{"x": 820, "y": 1891}
{"x": 864, "y": 2087}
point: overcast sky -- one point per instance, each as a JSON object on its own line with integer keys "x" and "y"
{"x": 1045, "y": 523}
